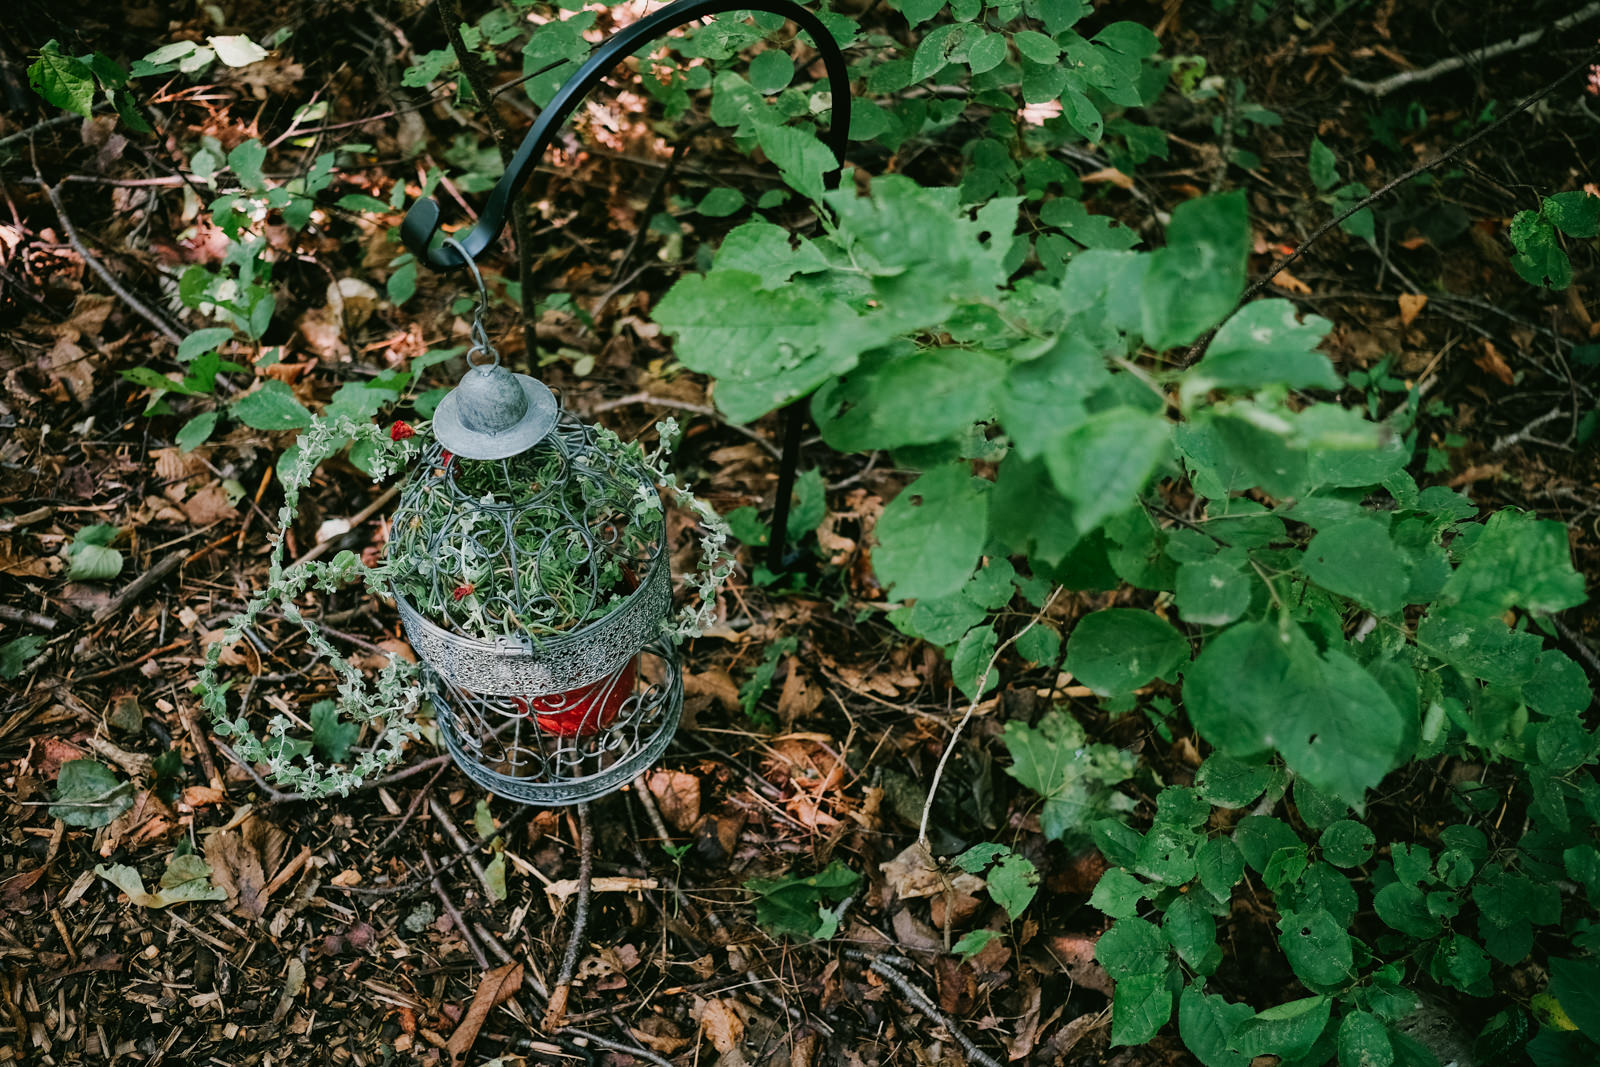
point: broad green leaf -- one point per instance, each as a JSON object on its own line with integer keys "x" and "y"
{"x": 764, "y": 348}
{"x": 187, "y": 878}
{"x": 1132, "y": 947}
{"x": 1347, "y": 843}
{"x": 245, "y": 161}
{"x": 88, "y": 794}
{"x": 1460, "y": 962}
{"x": 721, "y": 201}
{"x": 1102, "y": 463}
{"x": 64, "y": 81}
{"x": 1576, "y": 213}
{"x": 1518, "y": 561}
{"x": 1230, "y": 783}
{"x": 1211, "y": 592}
{"x": 986, "y": 53}
{"x": 16, "y": 654}
{"x": 1220, "y": 866}
{"x": 1558, "y": 687}
{"x": 931, "y": 535}
{"x": 1257, "y": 687}
{"x": 271, "y": 407}
{"x": 1358, "y": 560}
{"x": 1206, "y": 1023}
{"x": 202, "y": 341}
{"x": 1195, "y": 280}
{"x": 1074, "y": 777}
{"x": 1265, "y": 343}
{"x": 1539, "y": 259}
{"x": 1042, "y": 399}
{"x": 1479, "y": 647}
{"x": 1040, "y": 644}
{"x": 971, "y": 661}
{"x": 1013, "y": 882}
{"x": 1120, "y": 649}
{"x": 759, "y": 247}
{"x": 1260, "y": 837}
{"x": 1364, "y": 1042}
{"x": 1286, "y": 1031}
{"x": 1404, "y": 907}
{"x": 1318, "y": 948}
{"x": 1140, "y": 1007}
{"x": 917, "y": 11}
{"x": 1192, "y": 931}
{"x": 1576, "y": 984}
{"x": 1129, "y": 38}
{"x": 1324, "y": 165}
{"x": 907, "y": 396}
{"x": 402, "y": 283}
{"x": 941, "y": 620}
{"x": 974, "y": 942}
{"x": 91, "y": 558}
{"x": 1166, "y": 854}
{"x": 795, "y": 906}
{"x": 330, "y": 735}
{"x": 1118, "y": 894}
{"x": 1036, "y": 46}
{"x": 237, "y": 50}
{"x": 771, "y": 71}
{"x": 799, "y": 157}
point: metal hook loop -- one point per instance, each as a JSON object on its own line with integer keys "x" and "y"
{"x": 480, "y": 332}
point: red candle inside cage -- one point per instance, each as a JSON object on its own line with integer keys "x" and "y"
{"x": 585, "y": 710}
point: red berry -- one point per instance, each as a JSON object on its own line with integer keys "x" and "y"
{"x": 401, "y": 430}
{"x": 463, "y": 591}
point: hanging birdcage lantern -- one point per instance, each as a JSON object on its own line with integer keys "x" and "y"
{"x": 534, "y": 589}
{"x": 527, "y": 559}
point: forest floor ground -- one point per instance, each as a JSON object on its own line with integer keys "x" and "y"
{"x": 335, "y": 945}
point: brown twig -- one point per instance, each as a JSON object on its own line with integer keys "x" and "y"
{"x": 685, "y": 405}
{"x": 921, "y": 1001}
{"x": 556, "y": 1015}
{"x": 26, "y": 618}
{"x": 142, "y": 584}
{"x": 138, "y": 306}
{"x": 1198, "y": 349}
{"x": 463, "y": 846}
{"x": 451, "y": 910}
{"x": 356, "y": 520}
{"x": 617, "y": 1046}
{"x": 412, "y": 809}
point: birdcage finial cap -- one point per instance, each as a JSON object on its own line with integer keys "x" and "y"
{"x": 494, "y": 414}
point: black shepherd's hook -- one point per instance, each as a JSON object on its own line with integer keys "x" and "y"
{"x": 421, "y": 223}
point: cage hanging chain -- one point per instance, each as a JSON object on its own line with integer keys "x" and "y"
{"x": 480, "y": 332}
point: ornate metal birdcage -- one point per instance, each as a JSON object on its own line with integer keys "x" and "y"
{"x": 536, "y": 547}
{"x": 534, "y": 589}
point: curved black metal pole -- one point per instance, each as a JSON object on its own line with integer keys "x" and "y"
{"x": 421, "y": 224}
{"x": 422, "y": 220}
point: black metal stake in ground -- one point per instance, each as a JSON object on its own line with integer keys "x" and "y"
{"x": 421, "y": 224}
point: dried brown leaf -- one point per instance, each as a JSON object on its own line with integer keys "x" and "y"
{"x": 494, "y": 989}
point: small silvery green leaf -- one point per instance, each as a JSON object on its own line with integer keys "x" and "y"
{"x": 187, "y": 878}
{"x": 1120, "y": 649}
{"x": 237, "y": 50}
{"x": 15, "y": 654}
{"x": 88, "y": 794}
{"x": 271, "y": 407}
